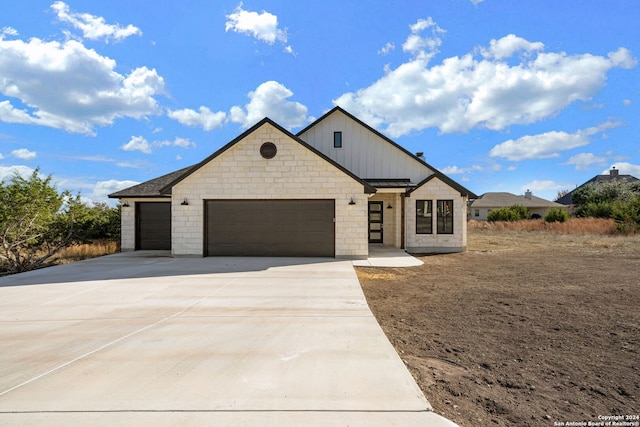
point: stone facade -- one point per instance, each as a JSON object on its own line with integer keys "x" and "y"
{"x": 309, "y": 167}
{"x": 436, "y": 190}
{"x": 128, "y": 221}
{"x": 295, "y": 172}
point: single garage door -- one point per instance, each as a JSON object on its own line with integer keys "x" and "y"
{"x": 297, "y": 228}
{"x": 153, "y": 226}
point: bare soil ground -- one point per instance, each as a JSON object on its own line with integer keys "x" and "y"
{"x": 525, "y": 328}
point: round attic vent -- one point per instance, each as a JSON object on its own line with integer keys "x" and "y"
{"x": 268, "y": 150}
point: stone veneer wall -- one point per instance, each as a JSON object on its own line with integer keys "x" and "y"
{"x": 436, "y": 243}
{"x": 294, "y": 173}
{"x": 128, "y": 222}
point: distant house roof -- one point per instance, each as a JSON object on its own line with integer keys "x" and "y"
{"x": 505, "y": 200}
{"x": 151, "y": 188}
{"x": 614, "y": 175}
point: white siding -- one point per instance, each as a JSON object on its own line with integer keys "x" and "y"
{"x": 363, "y": 152}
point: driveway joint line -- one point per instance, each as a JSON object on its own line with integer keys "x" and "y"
{"x": 102, "y": 347}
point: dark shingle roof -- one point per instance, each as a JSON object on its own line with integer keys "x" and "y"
{"x": 151, "y": 188}
{"x": 567, "y": 199}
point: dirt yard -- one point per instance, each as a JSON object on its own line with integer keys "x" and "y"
{"x": 525, "y": 328}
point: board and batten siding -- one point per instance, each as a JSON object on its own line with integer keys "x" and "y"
{"x": 364, "y": 153}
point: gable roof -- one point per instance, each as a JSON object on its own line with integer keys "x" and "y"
{"x": 152, "y": 187}
{"x": 167, "y": 188}
{"x": 505, "y": 200}
{"x": 567, "y": 199}
{"x": 436, "y": 173}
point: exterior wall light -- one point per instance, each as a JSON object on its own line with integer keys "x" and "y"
{"x": 352, "y": 202}
{"x": 389, "y": 206}
{"x": 185, "y": 202}
{"x": 125, "y": 204}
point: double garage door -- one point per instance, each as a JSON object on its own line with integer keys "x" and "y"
{"x": 295, "y": 228}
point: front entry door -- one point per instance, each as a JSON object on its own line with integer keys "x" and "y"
{"x": 375, "y": 222}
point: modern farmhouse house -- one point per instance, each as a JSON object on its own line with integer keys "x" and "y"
{"x": 331, "y": 190}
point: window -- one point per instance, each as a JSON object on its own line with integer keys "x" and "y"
{"x": 337, "y": 140}
{"x": 476, "y": 212}
{"x": 424, "y": 223}
{"x": 445, "y": 216}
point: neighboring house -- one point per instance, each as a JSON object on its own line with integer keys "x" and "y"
{"x": 480, "y": 208}
{"x": 331, "y": 190}
{"x": 614, "y": 175}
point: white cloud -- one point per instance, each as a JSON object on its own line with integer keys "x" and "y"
{"x": 204, "y": 117}
{"x": 67, "y": 86}
{"x": 547, "y": 145}
{"x": 508, "y": 45}
{"x": 8, "y": 31}
{"x": 261, "y": 26}
{"x": 542, "y": 185}
{"x": 93, "y": 27}
{"x": 24, "y": 154}
{"x": 183, "y": 143}
{"x": 139, "y": 143}
{"x": 424, "y": 47}
{"x": 387, "y": 48}
{"x": 270, "y": 100}
{"x": 584, "y": 161}
{"x": 627, "y": 102}
{"x": 476, "y": 2}
{"x": 103, "y": 188}
{"x": 8, "y": 172}
{"x": 455, "y": 170}
{"x": 625, "y": 168}
{"x": 490, "y": 91}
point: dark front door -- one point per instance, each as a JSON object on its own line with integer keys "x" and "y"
{"x": 298, "y": 228}
{"x": 153, "y": 225}
{"x": 375, "y": 222}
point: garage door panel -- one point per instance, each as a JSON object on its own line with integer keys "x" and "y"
{"x": 153, "y": 226}
{"x": 270, "y": 227}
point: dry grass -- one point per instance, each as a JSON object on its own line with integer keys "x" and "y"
{"x": 86, "y": 251}
{"x": 578, "y": 226}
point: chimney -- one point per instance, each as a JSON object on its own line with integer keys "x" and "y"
{"x": 613, "y": 171}
{"x": 527, "y": 194}
{"x": 420, "y": 155}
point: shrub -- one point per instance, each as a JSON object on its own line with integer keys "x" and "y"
{"x": 556, "y": 215}
{"x": 502, "y": 214}
{"x": 514, "y": 213}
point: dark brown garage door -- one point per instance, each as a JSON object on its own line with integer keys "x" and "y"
{"x": 299, "y": 228}
{"x": 153, "y": 226}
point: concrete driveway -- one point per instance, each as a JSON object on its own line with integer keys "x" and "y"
{"x": 142, "y": 339}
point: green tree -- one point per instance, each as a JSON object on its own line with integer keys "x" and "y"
{"x": 99, "y": 221}
{"x": 36, "y": 222}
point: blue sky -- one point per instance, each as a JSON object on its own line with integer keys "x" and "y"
{"x": 500, "y": 95}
